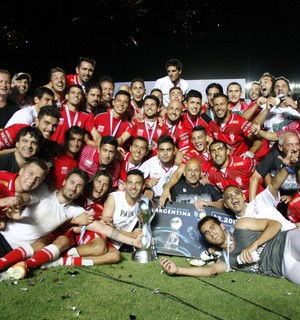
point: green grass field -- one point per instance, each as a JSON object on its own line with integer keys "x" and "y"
{"x": 131, "y": 290}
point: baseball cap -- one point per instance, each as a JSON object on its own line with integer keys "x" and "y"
{"x": 21, "y": 75}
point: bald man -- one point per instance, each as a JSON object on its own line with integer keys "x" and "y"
{"x": 174, "y": 128}
{"x": 190, "y": 190}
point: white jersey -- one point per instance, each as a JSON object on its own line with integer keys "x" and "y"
{"x": 152, "y": 168}
{"x": 124, "y": 217}
{"x": 264, "y": 207}
{"x": 41, "y": 217}
{"x": 26, "y": 115}
{"x": 165, "y": 84}
{"x": 280, "y": 117}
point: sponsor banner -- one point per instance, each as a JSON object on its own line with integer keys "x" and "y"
{"x": 174, "y": 228}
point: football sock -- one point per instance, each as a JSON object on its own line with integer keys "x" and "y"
{"x": 77, "y": 261}
{"x": 49, "y": 253}
{"x": 73, "y": 253}
{"x": 21, "y": 253}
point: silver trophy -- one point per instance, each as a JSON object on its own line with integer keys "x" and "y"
{"x": 145, "y": 211}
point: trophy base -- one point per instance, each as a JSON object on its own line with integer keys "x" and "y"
{"x": 144, "y": 256}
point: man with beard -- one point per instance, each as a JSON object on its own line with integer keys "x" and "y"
{"x": 84, "y": 72}
{"x": 88, "y": 248}
{"x": 119, "y": 208}
{"x": 40, "y": 222}
{"x": 150, "y": 127}
{"x": 92, "y": 99}
{"x": 234, "y": 130}
{"x": 224, "y": 169}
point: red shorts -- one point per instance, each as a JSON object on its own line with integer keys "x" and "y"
{"x": 87, "y": 238}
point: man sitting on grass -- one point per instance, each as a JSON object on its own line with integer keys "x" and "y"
{"x": 36, "y": 229}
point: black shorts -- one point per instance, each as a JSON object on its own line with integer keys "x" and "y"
{"x": 5, "y": 248}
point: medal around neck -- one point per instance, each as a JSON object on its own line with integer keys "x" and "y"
{"x": 145, "y": 211}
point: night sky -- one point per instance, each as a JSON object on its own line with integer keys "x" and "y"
{"x": 134, "y": 38}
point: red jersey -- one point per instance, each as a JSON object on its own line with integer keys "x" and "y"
{"x": 107, "y": 125}
{"x": 238, "y": 172}
{"x": 97, "y": 207}
{"x": 149, "y": 130}
{"x": 73, "y": 79}
{"x": 294, "y": 127}
{"x": 256, "y": 112}
{"x": 195, "y": 154}
{"x": 62, "y": 165}
{"x": 127, "y": 166}
{"x": 234, "y": 133}
{"x": 242, "y": 107}
{"x": 179, "y": 134}
{"x": 7, "y": 186}
{"x": 132, "y": 111}
{"x": 293, "y": 211}
{"x": 189, "y": 124}
{"x": 8, "y": 135}
{"x": 72, "y": 118}
{"x": 89, "y": 162}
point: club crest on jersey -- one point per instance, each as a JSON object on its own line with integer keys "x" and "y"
{"x": 239, "y": 181}
{"x": 140, "y": 132}
{"x": 100, "y": 128}
{"x": 219, "y": 185}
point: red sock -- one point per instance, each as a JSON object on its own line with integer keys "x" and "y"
{"x": 71, "y": 261}
{"x": 49, "y": 253}
{"x": 77, "y": 261}
{"x": 15, "y": 256}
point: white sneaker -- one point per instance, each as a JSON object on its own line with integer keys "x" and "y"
{"x": 197, "y": 263}
{"x": 17, "y": 271}
{"x": 208, "y": 256}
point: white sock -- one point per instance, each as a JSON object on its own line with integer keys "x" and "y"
{"x": 73, "y": 253}
{"x": 54, "y": 251}
{"x": 28, "y": 250}
{"x": 87, "y": 262}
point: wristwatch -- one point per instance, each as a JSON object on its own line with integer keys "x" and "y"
{"x": 289, "y": 169}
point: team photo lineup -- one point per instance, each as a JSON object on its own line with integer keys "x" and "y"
{"x": 78, "y": 156}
